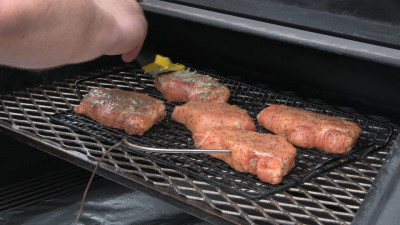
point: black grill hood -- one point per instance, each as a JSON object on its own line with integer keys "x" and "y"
{"x": 365, "y": 21}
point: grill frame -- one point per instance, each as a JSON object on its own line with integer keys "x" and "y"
{"x": 268, "y": 210}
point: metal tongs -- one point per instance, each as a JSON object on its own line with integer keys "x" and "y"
{"x": 172, "y": 150}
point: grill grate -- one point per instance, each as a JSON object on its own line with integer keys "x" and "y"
{"x": 330, "y": 198}
{"x": 170, "y": 134}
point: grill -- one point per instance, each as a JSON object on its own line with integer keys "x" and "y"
{"x": 169, "y": 134}
{"x": 332, "y": 197}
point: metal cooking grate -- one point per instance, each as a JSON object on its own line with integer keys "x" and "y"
{"x": 330, "y": 198}
{"x": 170, "y": 134}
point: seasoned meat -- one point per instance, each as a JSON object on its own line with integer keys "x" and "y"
{"x": 132, "y": 111}
{"x": 199, "y": 116}
{"x": 268, "y": 156}
{"x": 310, "y": 130}
{"x": 182, "y": 86}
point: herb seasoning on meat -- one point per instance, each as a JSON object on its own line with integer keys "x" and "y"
{"x": 268, "y": 156}
{"x": 310, "y": 130}
{"x": 132, "y": 111}
{"x": 182, "y": 86}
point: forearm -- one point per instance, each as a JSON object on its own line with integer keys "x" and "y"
{"x": 48, "y": 33}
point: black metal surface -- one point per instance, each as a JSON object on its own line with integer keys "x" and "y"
{"x": 169, "y": 134}
{"x": 365, "y": 21}
{"x": 267, "y": 31}
{"x": 41, "y": 187}
{"x": 383, "y": 200}
{"x": 107, "y": 203}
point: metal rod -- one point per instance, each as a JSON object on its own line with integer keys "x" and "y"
{"x": 172, "y": 150}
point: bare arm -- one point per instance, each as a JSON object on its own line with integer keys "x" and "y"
{"x": 47, "y": 33}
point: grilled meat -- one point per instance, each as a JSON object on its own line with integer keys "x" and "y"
{"x": 132, "y": 111}
{"x": 199, "y": 116}
{"x": 268, "y": 156}
{"x": 182, "y": 86}
{"x": 308, "y": 129}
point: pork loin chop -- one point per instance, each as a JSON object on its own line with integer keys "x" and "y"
{"x": 182, "y": 86}
{"x": 310, "y": 130}
{"x": 199, "y": 116}
{"x": 268, "y": 156}
{"x": 132, "y": 111}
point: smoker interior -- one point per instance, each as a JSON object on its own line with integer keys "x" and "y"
{"x": 347, "y": 84}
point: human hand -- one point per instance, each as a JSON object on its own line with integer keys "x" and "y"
{"x": 41, "y": 34}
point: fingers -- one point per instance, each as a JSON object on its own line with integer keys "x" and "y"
{"x": 130, "y": 56}
{"x": 129, "y": 31}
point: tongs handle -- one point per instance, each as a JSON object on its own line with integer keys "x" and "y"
{"x": 171, "y": 150}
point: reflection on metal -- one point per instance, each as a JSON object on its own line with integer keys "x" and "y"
{"x": 171, "y": 150}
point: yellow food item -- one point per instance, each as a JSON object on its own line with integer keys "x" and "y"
{"x": 162, "y": 64}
